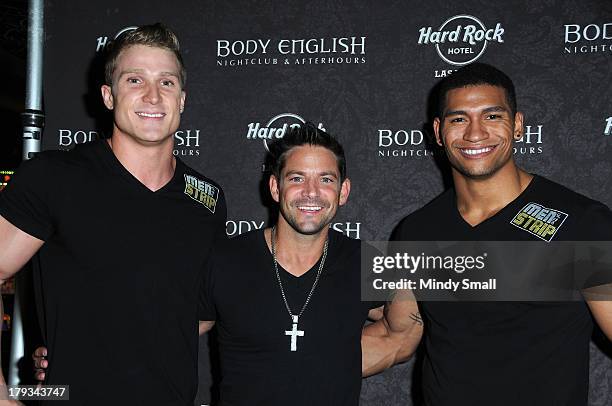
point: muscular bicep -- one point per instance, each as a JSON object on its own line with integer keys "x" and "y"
{"x": 599, "y": 300}
{"x": 403, "y": 312}
{"x": 16, "y": 248}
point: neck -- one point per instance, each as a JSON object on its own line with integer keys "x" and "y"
{"x": 479, "y": 199}
{"x": 296, "y": 253}
{"x": 152, "y": 165}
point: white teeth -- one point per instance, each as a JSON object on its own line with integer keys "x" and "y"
{"x": 476, "y": 151}
{"x": 152, "y": 115}
{"x": 310, "y": 208}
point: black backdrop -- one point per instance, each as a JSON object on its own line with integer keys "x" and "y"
{"x": 363, "y": 71}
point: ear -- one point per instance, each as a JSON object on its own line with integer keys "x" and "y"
{"x": 183, "y": 95}
{"x": 518, "y": 125}
{"x": 345, "y": 190}
{"x": 107, "y": 96}
{"x": 273, "y": 183}
{"x": 436, "y": 128}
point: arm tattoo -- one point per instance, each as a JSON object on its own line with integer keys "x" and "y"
{"x": 416, "y": 317}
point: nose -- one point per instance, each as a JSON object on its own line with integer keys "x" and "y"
{"x": 152, "y": 94}
{"x": 311, "y": 188}
{"x": 475, "y": 131}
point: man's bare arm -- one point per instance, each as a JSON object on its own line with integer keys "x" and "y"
{"x": 393, "y": 338}
{"x": 16, "y": 248}
{"x": 599, "y": 300}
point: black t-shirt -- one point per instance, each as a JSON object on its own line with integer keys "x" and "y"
{"x": 119, "y": 272}
{"x": 508, "y": 353}
{"x": 242, "y": 294}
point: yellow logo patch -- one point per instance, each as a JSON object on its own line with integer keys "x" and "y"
{"x": 202, "y": 192}
{"x": 543, "y": 222}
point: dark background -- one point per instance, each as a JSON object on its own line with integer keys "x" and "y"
{"x": 13, "y": 34}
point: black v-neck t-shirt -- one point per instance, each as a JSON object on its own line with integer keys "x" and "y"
{"x": 508, "y": 353}
{"x": 118, "y": 272}
{"x": 242, "y": 294}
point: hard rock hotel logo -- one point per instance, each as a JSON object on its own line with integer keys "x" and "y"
{"x": 102, "y": 41}
{"x": 460, "y": 40}
{"x": 275, "y": 128}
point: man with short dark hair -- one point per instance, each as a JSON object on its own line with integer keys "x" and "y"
{"x": 122, "y": 229}
{"x": 502, "y": 353}
{"x": 286, "y": 300}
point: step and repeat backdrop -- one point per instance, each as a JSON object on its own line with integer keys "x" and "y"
{"x": 363, "y": 71}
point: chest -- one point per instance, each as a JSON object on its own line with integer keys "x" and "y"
{"x": 110, "y": 225}
{"x": 255, "y": 316}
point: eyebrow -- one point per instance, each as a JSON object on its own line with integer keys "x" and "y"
{"x": 139, "y": 71}
{"x": 302, "y": 173}
{"x": 486, "y": 110}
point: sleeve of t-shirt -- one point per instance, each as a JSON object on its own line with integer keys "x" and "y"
{"x": 593, "y": 256}
{"x": 368, "y": 251}
{"x": 206, "y": 303}
{"x": 221, "y": 213}
{"x": 598, "y": 223}
{"x": 26, "y": 200}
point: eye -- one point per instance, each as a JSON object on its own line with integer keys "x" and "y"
{"x": 457, "y": 120}
{"x": 167, "y": 82}
{"x": 494, "y": 116}
{"x": 133, "y": 81}
{"x": 295, "y": 179}
{"x": 327, "y": 179}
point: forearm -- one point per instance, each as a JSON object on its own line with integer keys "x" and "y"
{"x": 382, "y": 346}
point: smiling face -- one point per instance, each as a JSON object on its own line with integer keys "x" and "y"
{"x": 309, "y": 190}
{"x": 146, "y": 95}
{"x": 477, "y": 130}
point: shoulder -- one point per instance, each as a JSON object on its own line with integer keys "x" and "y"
{"x": 45, "y": 167}
{"x": 554, "y": 192}
{"x": 590, "y": 218}
{"x": 249, "y": 238}
{"x": 234, "y": 257}
{"x": 342, "y": 242}
{"x": 241, "y": 246}
{"x": 343, "y": 249}
{"x": 421, "y": 219}
{"x": 81, "y": 156}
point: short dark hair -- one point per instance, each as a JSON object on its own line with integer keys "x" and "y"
{"x": 305, "y": 134}
{"x": 474, "y": 75}
{"x": 155, "y": 35}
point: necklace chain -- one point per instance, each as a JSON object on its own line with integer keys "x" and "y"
{"x": 280, "y": 284}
